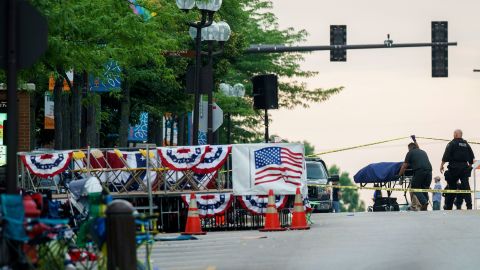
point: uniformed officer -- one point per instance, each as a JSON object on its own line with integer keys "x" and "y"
{"x": 459, "y": 156}
{"x": 418, "y": 161}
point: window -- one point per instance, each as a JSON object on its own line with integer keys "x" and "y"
{"x": 316, "y": 171}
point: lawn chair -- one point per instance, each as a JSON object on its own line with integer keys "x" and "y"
{"x": 27, "y": 235}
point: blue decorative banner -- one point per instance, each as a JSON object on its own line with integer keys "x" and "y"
{"x": 139, "y": 132}
{"x": 111, "y": 79}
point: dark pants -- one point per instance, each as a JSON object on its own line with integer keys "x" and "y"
{"x": 464, "y": 185}
{"x": 422, "y": 179}
{"x": 452, "y": 175}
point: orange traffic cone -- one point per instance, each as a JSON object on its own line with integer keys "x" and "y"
{"x": 299, "y": 218}
{"x": 272, "y": 221}
{"x": 193, "y": 226}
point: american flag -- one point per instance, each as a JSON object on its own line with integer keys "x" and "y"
{"x": 278, "y": 163}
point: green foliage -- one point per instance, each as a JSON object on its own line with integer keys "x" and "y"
{"x": 85, "y": 34}
{"x": 309, "y": 148}
{"x": 350, "y": 200}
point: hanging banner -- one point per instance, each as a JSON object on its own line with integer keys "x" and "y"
{"x": 210, "y": 205}
{"x": 257, "y": 205}
{"x": 66, "y": 87}
{"x": 141, "y": 11}
{"x": 169, "y": 126}
{"x": 49, "y": 118}
{"x": 110, "y": 80}
{"x": 257, "y": 168}
{"x": 139, "y": 132}
{"x": 47, "y": 165}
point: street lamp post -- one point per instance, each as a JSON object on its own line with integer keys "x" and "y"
{"x": 207, "y": 9}
{"x": 238, "y": 91}
{"x": 219, "y": 32}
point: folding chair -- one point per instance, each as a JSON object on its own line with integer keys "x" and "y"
{"x": 155, "y": 168}
{"x": 133, "y": 173}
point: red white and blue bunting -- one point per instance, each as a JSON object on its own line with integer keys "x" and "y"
{"x": 182, "y": 158}
{"x": 210, "y": 205}
{"x": 257, "y": 204}
{"x": 215, "y": 157}
{"x": 47, "y": 165}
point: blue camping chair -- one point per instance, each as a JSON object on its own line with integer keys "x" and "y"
{"x": 13, "y": 226}
{"x": 14, "y": 214}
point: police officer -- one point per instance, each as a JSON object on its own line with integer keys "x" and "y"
{"x": 418, "y": 161}
{"x": 459, "y": 156}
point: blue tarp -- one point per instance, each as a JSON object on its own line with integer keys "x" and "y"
{"x": 378, "y": 173}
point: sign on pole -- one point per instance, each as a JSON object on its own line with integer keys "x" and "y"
{"x": 217, "y": 117}
{"x": 32, "y": 33}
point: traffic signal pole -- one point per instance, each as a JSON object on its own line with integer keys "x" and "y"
{"x": 283, "y": 48}
{"x": 338, "y": 46}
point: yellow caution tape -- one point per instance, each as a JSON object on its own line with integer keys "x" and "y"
{"x": 379, "y": 142}
{"x": 357, "y": 146}
{"x": 396, "y": 189}
{"x": 444, "y": 140}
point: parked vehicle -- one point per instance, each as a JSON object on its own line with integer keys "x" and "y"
{"x": 319, "y": 193}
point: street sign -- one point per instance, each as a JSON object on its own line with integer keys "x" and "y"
{"x": 217, "y": 116}
{"x": 32, "y": 34}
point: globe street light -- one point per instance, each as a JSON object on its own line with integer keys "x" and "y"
{"x": 216, "y": 32}
{"x": 238, "y": 91}
{"x": 207, "y": 9}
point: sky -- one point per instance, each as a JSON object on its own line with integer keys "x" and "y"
{"x": 389, "y": 93}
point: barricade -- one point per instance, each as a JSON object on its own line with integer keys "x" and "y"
{"x": 123, "y": 170}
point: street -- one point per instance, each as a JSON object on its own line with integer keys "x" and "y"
{"x": 395, "y": 240}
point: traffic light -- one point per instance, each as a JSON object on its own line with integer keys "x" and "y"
{"x": 338, "y": 36}
{"x": 440, "y": 52}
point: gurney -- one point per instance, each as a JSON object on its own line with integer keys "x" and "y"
{"x": 384, "y": 175}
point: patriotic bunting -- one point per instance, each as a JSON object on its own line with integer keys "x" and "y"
{"x": 215, "y": 157}
{"x": 182, "y": 158}
{"x": 257, "y": 204}
{"x": 210, "y": 205}
{"x": 47, "y": 165}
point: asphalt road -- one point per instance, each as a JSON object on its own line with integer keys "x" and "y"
{"x": 396, "y": 240}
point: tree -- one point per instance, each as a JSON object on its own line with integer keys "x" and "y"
{"x": 309, "y": 148}
{"x": 85, "y": 34}
{"x": 350, "y": 200}
{"x": 253, "y": 22}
